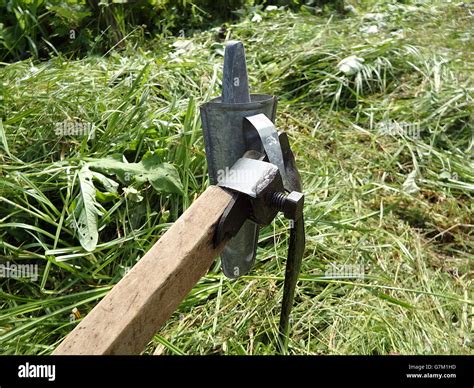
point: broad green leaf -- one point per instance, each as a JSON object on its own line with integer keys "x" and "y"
{"x": 109, "y": 184}
{"x": 162, "y": 176}
{"x": 87, "y": 208}
{"x": 74, "y": 14}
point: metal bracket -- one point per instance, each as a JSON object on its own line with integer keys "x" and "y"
{"x": 261, "y": 135}
{"x": 222, "y": 122}
{"x": 263, "y": 182}
{"x": 258, "y": 196}
{"x": 251, "y": 181}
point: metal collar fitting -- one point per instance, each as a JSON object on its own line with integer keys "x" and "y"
{"x": 248, "y": 156}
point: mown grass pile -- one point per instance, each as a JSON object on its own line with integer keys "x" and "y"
{"x": 379, "y": 107}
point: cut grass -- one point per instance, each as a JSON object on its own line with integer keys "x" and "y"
{"x": 416, "y": 247}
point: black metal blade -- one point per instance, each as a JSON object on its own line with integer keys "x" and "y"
{"x": 292, "y": 272}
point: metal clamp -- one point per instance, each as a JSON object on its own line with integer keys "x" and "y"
{"x": 247, "y": 155}
{"x": 222, "y": 122}
{"x": 258, "y": 196}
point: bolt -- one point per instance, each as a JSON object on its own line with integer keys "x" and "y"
{"x": 290, "y": 204}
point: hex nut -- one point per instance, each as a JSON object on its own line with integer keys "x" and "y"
{"x": 293, "y": 205}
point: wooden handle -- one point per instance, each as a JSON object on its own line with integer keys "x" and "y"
{"x": 132, "y": 312}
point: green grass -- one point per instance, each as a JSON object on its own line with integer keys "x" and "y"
{"x": 416, "y": 246}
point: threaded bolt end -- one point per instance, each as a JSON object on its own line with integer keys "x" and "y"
{"x": 278, "y": 200}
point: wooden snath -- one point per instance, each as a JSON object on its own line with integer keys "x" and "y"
{"x": 133, "y": 311}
